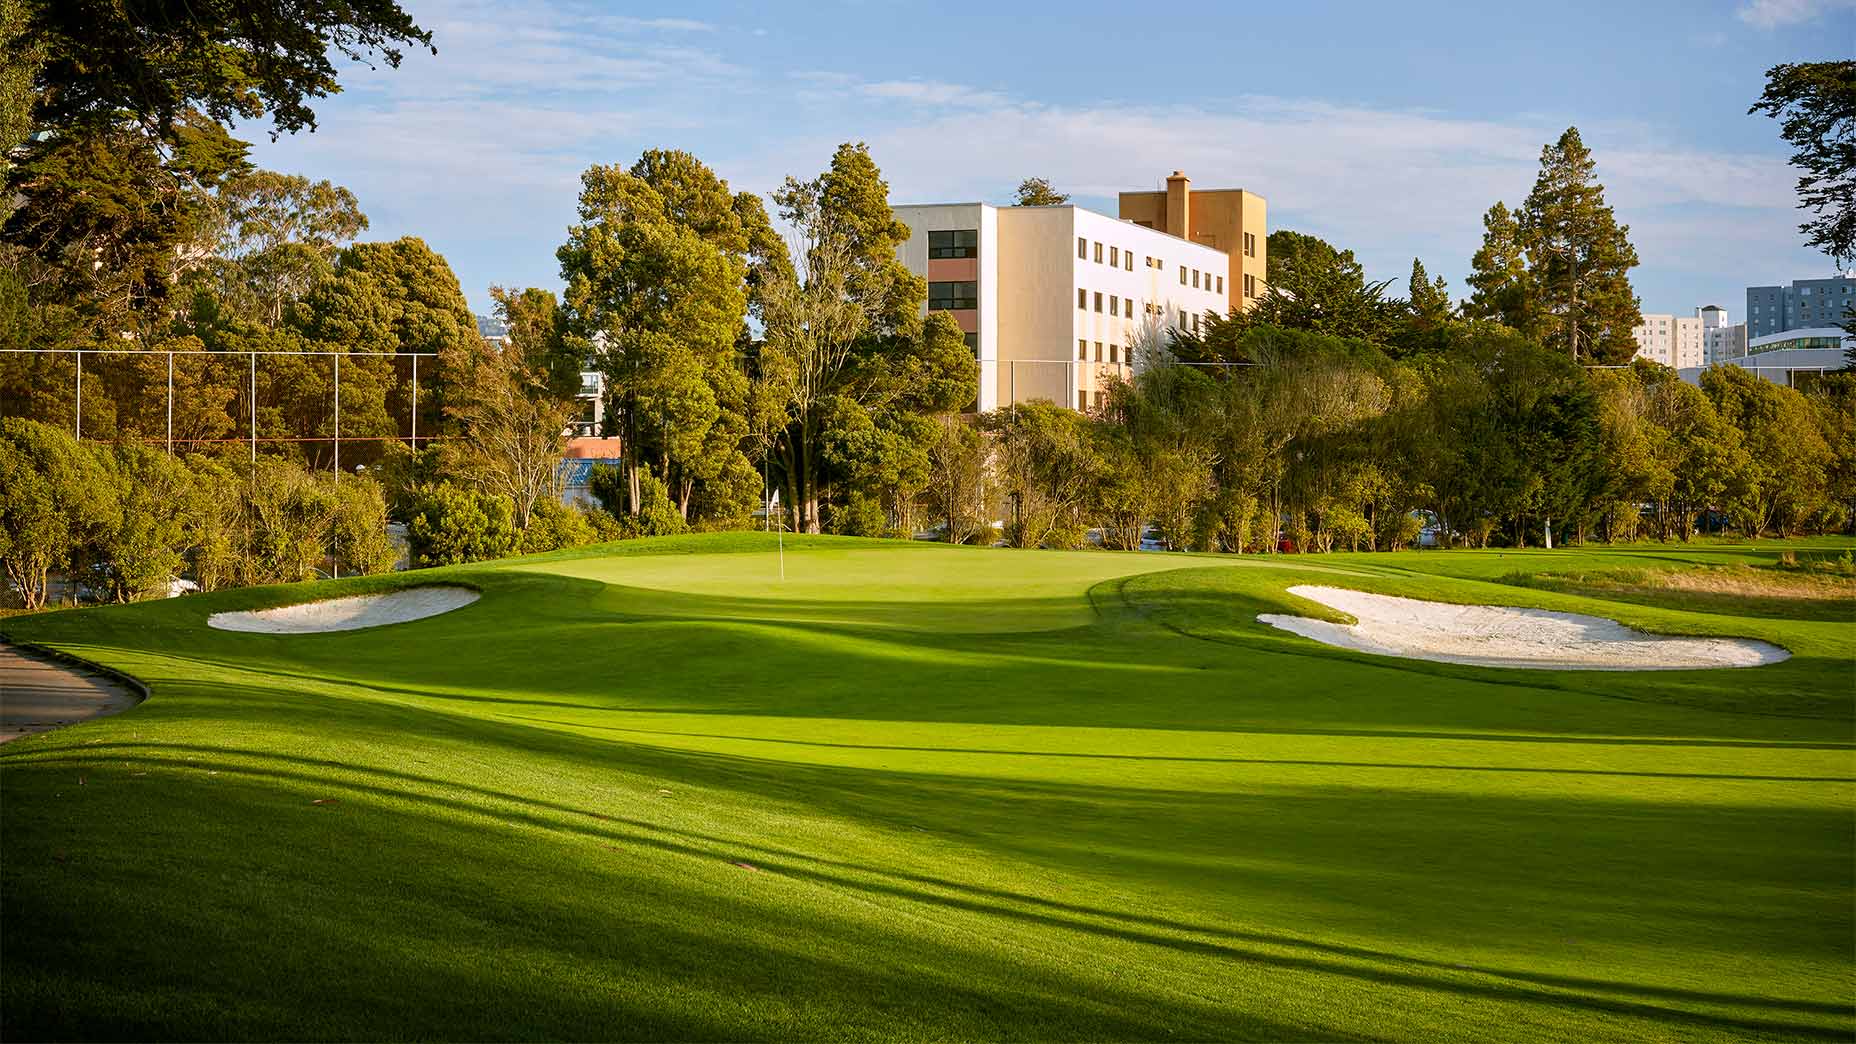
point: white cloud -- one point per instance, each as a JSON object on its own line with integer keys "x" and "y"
{"x": 929, "y": 92}
{"x": 1771, "y": 14}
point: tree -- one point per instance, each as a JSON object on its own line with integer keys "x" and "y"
{"x": 1317, "y": 287}
{"x": 1037, "y": 192}
{"x": 146, "y": 541}
{"x": 843, "y": 331}
{"x": 281, "y": 236}
{"x": 1046, "y": 463}
{"x": 1816, "y": 104}
{"x": 509, "y": 422}
{"x": 1501, "y": 288}
{"x": 1428, "y": 299}
{"x": 53, "y": 500}
{"x": 231, "y": 60}
{"x": 657, "y": 273}
{"x": 1579, "y": 258}
{"x": 1788, "y": 462}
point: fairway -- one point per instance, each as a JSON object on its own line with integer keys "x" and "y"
{"x": 652, "y": 790}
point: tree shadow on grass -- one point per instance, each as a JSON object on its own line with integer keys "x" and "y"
{"x": 1265, "y": 949}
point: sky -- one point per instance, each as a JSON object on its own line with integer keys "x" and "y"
{"x": 1388, "y": 129}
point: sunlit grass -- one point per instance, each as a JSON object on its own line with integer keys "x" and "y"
{"x": 653, "y": 791}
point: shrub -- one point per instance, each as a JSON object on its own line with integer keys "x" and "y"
{"x": 451, "y": 524}
{"x": 359, "y": 531}
{"x": 146, "y": 541}
{"x": 552, "y": 526}
{"x": 861, "y": 516}
{"x": 54, "y": 499}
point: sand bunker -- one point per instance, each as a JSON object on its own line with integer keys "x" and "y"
{"x": 1497, "y": 636}
{"x": 347, "y": 614}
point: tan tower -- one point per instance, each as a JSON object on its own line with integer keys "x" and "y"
{"x": 1231, "y": 220}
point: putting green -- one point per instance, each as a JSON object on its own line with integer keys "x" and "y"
{"x": 653, "y": 791}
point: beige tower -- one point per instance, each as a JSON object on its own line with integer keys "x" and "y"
{"x": 1231, "y": 220}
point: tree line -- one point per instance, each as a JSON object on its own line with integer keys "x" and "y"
{"x": 747, "y": 351}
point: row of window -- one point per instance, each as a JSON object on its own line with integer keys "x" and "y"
{"x": 1195, "y": 279}
{"x": 1082, "y": 401}
{"x": 1114, "y": 352}
{"x": 1250, "y": 244}
{"x": 1117, "y": 257}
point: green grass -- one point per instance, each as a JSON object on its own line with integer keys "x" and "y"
{"x": 921, "y": 792}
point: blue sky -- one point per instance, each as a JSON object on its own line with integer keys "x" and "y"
{"x": 1386, "y": 128}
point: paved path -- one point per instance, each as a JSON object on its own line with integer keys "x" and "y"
{"x": 38, "y": 693}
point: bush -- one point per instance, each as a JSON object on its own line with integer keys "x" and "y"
{"x": 861, "y": 516}
{"x": 145, "y": 544}
{"x": 54, "y": 499}
{"x": 552, "y": 526}
{"x": 451, "y": 524}
{"x": 359, "y": 531}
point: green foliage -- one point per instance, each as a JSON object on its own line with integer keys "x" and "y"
{"x": 552, "y": 526}
{"x": 54, "y": 498}
{"x": 1428, "y": 299}
{"x": 358, "y": 531}
{"x": 152, "y": 527}
{"x": 861, "y": 515}
{"x": 1787, "y": 459}
{"x": 657, "y": 273}
{"x": 1815, "y": 103}
{"x": 1317, "y": 287}
{"x": 453, "y": 524}
{"x": 1037, "y": 192}
{"x": 235, "y": 62}
{"x": 1579, "y": 258}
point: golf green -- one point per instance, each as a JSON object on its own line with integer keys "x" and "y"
{"x": 653, "y": 790}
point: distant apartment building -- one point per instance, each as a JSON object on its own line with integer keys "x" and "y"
{"x": 1672, "y": 340}
{"x": 1806, "y": 304}
{"x": 1721, "y": 340}
{"x": 1054, "y": 300}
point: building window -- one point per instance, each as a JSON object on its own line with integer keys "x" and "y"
{"x": 959, "y": 243}
{"x": 1250, "y": 245}
{"x": 1098, "y": 253}
{"x": 1195, "y": 279}
{"x": 1182, "y": 275}
{"x": 1082, "y": 351}
{"x": 1082, "y": 249}
{"x": 1127, "y": 260}
{"x": 973, "y": 344}
{"x": 953, "y": 296}
{"x": 1114, "y": 305}
{"x": 1082, "y": 402}
{"x": 1114, "y": 257}
{"x": 1098, "y": 300}
{"x": 1250, "y": 285}
{"x": 1098, "y": 351}
{"x": 1221, "y": 284}
{"x": 1082, "y": 298}
{"x": 1112, "y": 350}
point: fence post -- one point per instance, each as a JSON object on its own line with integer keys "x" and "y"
{"x": 415, "y": 403}
{"x": 78, "y": 421}
{"x": 338, "y": 417}
{"x": 170, "y": 404}
{"x": 254, "y": 407}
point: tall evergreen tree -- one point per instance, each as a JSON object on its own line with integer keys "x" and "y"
{"x": 1579, "y": 257}
{"x": 1429, "y": 298}
{"x": 1500, "y": 289}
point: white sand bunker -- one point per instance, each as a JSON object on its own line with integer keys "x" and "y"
{"x": 347, "y": 614}
{"x": 1497, "y": 636}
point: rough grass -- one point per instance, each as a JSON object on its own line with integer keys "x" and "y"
{"x": 1814, "y": 588}
{"x": 653, "y": 792}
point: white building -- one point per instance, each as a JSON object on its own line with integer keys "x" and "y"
{"x": 1053, "y": 299}
{"x": 1672, "y": 340}
{"x": 1721, "y": 340}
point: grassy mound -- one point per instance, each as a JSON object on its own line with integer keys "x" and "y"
{"x": 652, "y": 791}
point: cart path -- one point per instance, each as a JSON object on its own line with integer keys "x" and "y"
{"x": 39, "y": 693}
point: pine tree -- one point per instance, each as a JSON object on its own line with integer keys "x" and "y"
{"x": 1579, "y": 257}
{"x": 1500, "y": 288}
{"x": 1037, "y": 192}
{"x": 1430, "y": 298}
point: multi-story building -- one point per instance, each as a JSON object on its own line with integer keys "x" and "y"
{"x": 1056, "y": 300}
{"x": 1805, "y": 304}
{"x": 1721, "y": 340}
{"x": 1672, "y": 340}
